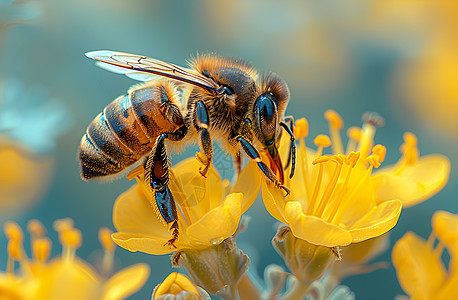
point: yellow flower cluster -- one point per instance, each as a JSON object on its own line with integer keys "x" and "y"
{"x": 336, "y": 200}
{"x": 65, "y": 276}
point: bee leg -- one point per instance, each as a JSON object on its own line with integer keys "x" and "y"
{"x": 292, "y": 147}
{"x": 251, "y": 151}
{"x": 157, "y": 176}
{"x": 205, "y": 142}
{"x": 290, "y": 121}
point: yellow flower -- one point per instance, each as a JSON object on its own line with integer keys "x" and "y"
{"x": 333, "y": 200}
{"x": 178, "y": 286}
{"x": 24, "y": 177}
{"x": 65, "y": 277}
{"x": 207, "y": 212}
{"x": 414, "y": 178}
{"x": 419, "y": 267}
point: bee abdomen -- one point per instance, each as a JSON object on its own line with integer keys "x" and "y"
{"x": 94, "y": 162}
{"x": 102, "y": 153}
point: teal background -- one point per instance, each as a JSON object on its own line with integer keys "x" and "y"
{"x": 343, "y": 68}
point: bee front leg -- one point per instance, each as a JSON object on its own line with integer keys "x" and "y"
{"x": 251, "y": 151}
{"x": 205, "y": 142}
{"x": 157, "y": 177}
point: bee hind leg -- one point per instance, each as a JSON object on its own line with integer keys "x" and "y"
{"x": 157, "y": 177}
{"x": 205, "y": 142}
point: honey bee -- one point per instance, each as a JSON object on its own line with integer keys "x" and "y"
{"x": 215, "y": 98}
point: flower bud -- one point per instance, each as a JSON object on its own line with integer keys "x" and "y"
{"x": 178, "y": 286}
{"x": 214, "y": 268}
{"x": 306, "y": 261}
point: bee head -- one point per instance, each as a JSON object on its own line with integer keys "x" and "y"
{"x": 269, "y": 109}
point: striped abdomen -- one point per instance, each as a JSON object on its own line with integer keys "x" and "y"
{"x": 126, "y": 130}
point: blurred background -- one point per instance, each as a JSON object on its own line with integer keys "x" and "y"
{"x": 398, "y": 58}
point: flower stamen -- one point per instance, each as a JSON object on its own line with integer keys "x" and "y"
{"x": 41, "y": 248}
{"x": 335, "y": 125}
{"x": 13, "y": 231}
{"x": 371, "y": 121}
{"x": 322, "y": 141}
{"x": 354, "y": 136}
{"x": 301, "y": 131}
{"x": 36, "y": 230}
{"x": 409, "y": 148}
{"x": 351, "y": 161}
{"x": 317, "y": 186}
{"x": 108, "y": 250}
{"x": 331, "y": 185}
{"x": 69, "y": 237}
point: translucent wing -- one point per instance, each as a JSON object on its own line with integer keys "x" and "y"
{"x": 145, "y": 68}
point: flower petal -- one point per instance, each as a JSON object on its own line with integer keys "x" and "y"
{"x": 132, "y": 213}
{"x": 193, "y": 191}
{"x": 248, "y": 183}
{"x": 217, "y": 224}
{"x": 24, "y": 178}
{"x": 418, "y": 268}
{"x": 313, "y": 229}
{"x": 273, "y": 201}
{"x": 415, "y": 183}
{"x": 377, "y": 221}
{"x": 125, "y": 282}
{"x": 146, "y": 243}
{"x": 445, "y": 226}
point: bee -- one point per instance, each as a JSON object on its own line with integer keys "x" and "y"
{"x": 216, "y": 98}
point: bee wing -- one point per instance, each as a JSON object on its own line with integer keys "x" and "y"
{"x": 145, "y": 68}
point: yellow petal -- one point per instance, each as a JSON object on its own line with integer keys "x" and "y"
{"x": 248, "y": 183}
{"x": 418, "y": 268}
{"x": 24, "y": 177}
{"x": 314, "y": 230}
{"x": 377, "y": 221}
{"x": 132, "y": 213}
{"x": 146, "y": 243}
{"x": 193, "y": 191}
{"x": 415, "y": 183}
{"x": 448, "y": 291}
{"x": 273, "y": 201}
{"x": 68, "y": 280}
{"x": 125, "y": 282}
{"x": 218, "y": 224}
{"x": 445, "y": 226}
{"x": 362, "y": 253}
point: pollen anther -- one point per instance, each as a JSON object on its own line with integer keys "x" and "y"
{"x": 334, "y": 119}
{"x": 322, "y": 140}
{"x": 301, "y": 130}
{"x": 13, "y": 231}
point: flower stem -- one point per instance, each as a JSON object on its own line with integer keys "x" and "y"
{"x": 298, "y": 290}
{"x": 247, "y": 288}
